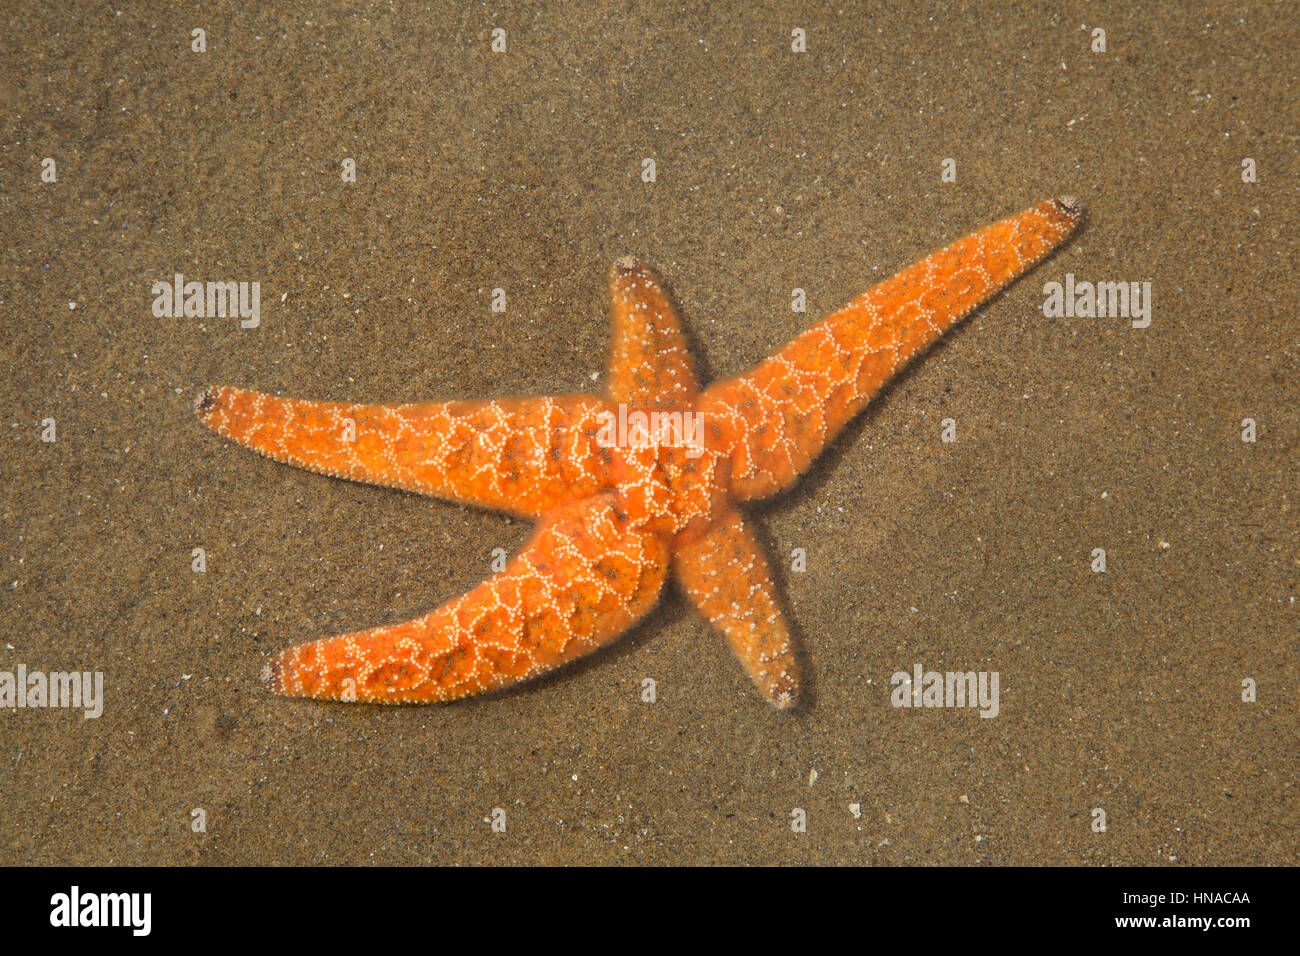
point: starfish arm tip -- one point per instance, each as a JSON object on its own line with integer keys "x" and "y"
{"x": 785, "y": 700}
{"x": 205, "y": 401}
{"x": 1072, "y": 206}
{"x": 270, "y": 676}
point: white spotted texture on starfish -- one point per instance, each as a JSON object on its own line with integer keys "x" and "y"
{"x": 616, "y": 517}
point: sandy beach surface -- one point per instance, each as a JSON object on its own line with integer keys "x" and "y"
{"x": 1120, "y": 692}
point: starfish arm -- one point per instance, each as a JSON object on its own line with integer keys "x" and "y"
{"x": 650, "y": 365}
{"x": 774, "y": 420}
{"x": 519, "y": 455}
{"x": 586, "y": 576}
{"x": 725, "y": 575}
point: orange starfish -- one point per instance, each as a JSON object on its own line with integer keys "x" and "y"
{"x": 626, "y": 487}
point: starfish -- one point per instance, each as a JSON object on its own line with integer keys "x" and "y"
{"x": 628, "y": 488}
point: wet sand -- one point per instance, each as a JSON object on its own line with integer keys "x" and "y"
{"x": 774, "y": 170}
